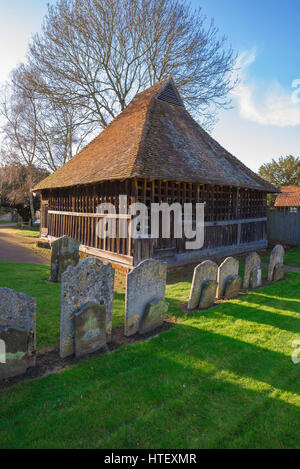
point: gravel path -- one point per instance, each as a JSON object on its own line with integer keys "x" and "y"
{"x": 11, "y": 251}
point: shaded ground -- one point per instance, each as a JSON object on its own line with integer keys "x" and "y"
{"x": 222, "y": 378}
{"x": 13, "y": 249}
{"x": 49, "y": 361}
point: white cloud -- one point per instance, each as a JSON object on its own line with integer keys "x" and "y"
{"x": 276, "y": 107}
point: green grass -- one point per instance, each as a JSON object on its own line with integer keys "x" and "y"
{"x": 33, "y": 232}
{"x": 292, "y": 257}
{"x": 222, "y": 378}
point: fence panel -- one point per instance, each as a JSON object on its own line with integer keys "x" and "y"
{"x": 283, "y": 227}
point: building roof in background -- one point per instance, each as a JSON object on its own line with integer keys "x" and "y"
{"x": 289, "y": 197}
{"x": 155, "y": 137}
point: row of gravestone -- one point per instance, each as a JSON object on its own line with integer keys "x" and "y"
{"x": 86, "y": 312}
{"x": 87, "y": 302}
{"x": 211, "y": 282}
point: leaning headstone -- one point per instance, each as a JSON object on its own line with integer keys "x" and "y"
{"x": 228, "y": 268}
{"x": 276, "y": 257}
{"x": 255, "y": 280}
{"x": 208, "y": 294}
{"x": 15, "y": 361}
{"x": 145, "y": 283}
{"x": 153, "y": 316}
{"x": 64, "y": 252}
{"x": 89, "y": 281}
{"x": 279, "y": 272}
{"x": 90, "y": 329}
{"x": 232, "y": 287}
{"x": 252, "y": 261}
{"x": 205, "y": 271}
{"x": 18, "y": 311}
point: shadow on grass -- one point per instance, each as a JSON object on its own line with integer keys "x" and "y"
{"x": 183, "y": 389}
{"x": 257, "y": 314}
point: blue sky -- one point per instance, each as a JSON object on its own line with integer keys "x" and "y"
{"x": 264, "y": 121}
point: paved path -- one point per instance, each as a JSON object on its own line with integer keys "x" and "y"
{"x": 11, "y": 251}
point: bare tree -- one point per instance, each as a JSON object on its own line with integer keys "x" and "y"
{"x": 20, "y": 134}
{"x": 95, "y": 55}
{"x": 39, "y": 131}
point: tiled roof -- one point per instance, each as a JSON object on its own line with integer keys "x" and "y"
{"x": 155, "y": 137}
{"x": 289, "y": 197}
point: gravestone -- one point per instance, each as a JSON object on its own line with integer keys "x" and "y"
{"x": 229, "y": 267}
{"x": 208, "y": 294}
{"x": 278, "y": 272}
{"x": 255, "y": 278}
{"x": 18, "y": 311}
{"x": 276, "y": 257}
{"x": 153, "y": 316}
{"x": 90, "y": 329}
{"x": 89, "y": 281}
{"x": 145, "y": 283}
{"x": 205, "y": 271}
{"x": 252, "y": 261}
{"x": 64, "y": 252}
{"x": 15, "y": 351}
{"x": 232, "y": 286}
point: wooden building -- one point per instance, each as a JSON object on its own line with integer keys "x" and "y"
{"x": 155, "y": 152}
{"x": 288, "y": 200}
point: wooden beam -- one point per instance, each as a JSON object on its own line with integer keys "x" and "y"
{"x": 92, "y": 215}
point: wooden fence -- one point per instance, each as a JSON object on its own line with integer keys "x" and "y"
{"x": 283, "y": 227}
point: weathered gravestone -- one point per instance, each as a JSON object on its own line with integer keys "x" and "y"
{"x": 153, "y": 316}
{"x": 145, "y": 283}
{"x": 252, "y": 262}
{"x": 255, "y": 278}
{"x": 89, "y": 281}
{"x": 279, "y": 272}
{"x": 90, "y": 329}
{"x": 15, "y": 352}
{"x": 64, "y": 252}
{"x": 17, "y": 320}
{"x": 276, "y": 257}
{"x": 232, "y": 286}
{"x": 208, "y": 294}
{"x": 203, "y": 293}
{"x": 228, "y": 268}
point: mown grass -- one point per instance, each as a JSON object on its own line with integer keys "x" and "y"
{"x": 31, "y": 233}
{"x": 222, "y": 378}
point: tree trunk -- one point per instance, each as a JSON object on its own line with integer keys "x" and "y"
{"x": 31, "y": 208}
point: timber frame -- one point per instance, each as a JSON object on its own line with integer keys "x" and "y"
{"x": 235, "y": 219}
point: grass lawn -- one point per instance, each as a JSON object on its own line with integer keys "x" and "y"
{"x": 29, "y": 232}
{"x": 222, "y": 378}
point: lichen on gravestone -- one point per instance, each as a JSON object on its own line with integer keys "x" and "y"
{"x": 90, "y": 329}
{"x": 18, "y": 311}
{"x": 144, "y": 283}
{"x": 205, "y": 271}
{"x": 276, "y": 257}
{"x": 252, "y": 261}
{"x": 229, "y": 267}
{"x": 89, "y": 281}
{"x": 64, "y": 252}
